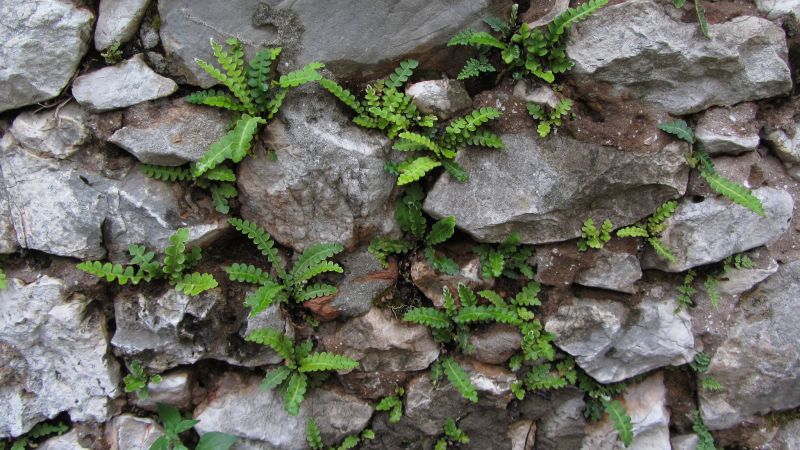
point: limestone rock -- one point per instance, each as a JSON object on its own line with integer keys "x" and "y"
{"x": 616, "y": 271}
{"x": 54, "y": 356}
{"x": 328, "y": 183}
{"x": 612, "y": 344}
{"x": 118, "y": 21}
{"x": 758, "y": 362}
{"x": 172, "y": 329}
{"x": 432, "y": 283}
{"x": 786, "y": 145}
{"x": 774, "y": 9}
{"x": 738, "y": 281}
{"x": 357, "y": 38}
{"x": 684, "y": 442}
{"x": 120, "y": 86}
{"x": 67, "y": 441}
{"x": 174, "y": 389}
{"x": 382, "y": 343}
{"x": 637, "y": 44}
{"x": 128, "y": 432}
{"x": 495, "y": 344}
{"x": 55, "y": 136}
{"x": 44, "y": 41}
{"x": 728, "y": 130}
{"x": 170, "y": 134}
{"x": 714, "y": 228}
{"x": 239, "y": 407}
{"x": 444, "y": 98}
{"x": 562, "y": 425}
{"x": 545, "y": 181}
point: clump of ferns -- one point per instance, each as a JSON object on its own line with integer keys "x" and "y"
{"x": 430, "y": 144}
{"x": 255, "y": 94}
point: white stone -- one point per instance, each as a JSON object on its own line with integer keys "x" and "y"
{"x": 118, "y": 21}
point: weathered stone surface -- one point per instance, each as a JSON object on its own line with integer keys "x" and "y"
{"x": 728, "y": 130}
{"x": 530, "y": 92}
{"x": 167, "y": 330}
{"x": 54, "y": 356}
{"x": 612, "y": 344}
{"x": 238, "y": 406}
{"x": 709, "y": 230}
{"x": 637, "y": 44}
{"x": 56, "y": 136}
{"x": 127, "y": 432}
{"x": 431, "y": 282}
{"x": 67, "y": 441}
{"x": 561, "y": 422}
{"x": 495, "y": 344}
{"x": 775, "y": 9}
{"x": 353, "y": 37}
{"x": 328, "y": 183}
{"x": 118, "y": 21}
{"x": 381, "y": 342}
{"x": 170, "y": 134}
{"x": 684, "y": 442}
{"x": 445, "y": 98}
{"x": 522, "y": 434}
{"x": 765, "y": 326}
{"x": 543, "y": 182}
{"x": 120, "y": 86}
{"x": 742, "y": 280}
{"x": 785, "y": 144}
{"x": 616, "y": 271}
{"x": 646, "y": 403}
{"x": 174, "y": 389}
{"x": 43, "y": 43}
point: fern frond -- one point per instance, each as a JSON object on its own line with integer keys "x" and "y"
{"x": 633, "y": 231}
{"x": 421, "y": 141}
{"x": 196, "y": 283}
{"x": 734, "y": 192}
{"x": 342, "y": 94}
{"x": 313, "y": 435}
{"x": 274, "y": 104}
{"x": 275, "y": 377}
{"x": 571, "y": 16}
{"x": 166, "y": 173}
{"x": 455, "y": 170}
{"x": 529, "y": 295}
{"x": 487, "y": 139}
{"x": 493, "y": 297}
{"x": 275, "y": 340}
{"x": 459, "y": 378}
{"x": 3, "y": 280}
{"x": 474, "y": 67}
{"x": 678, "y": 128}
{"x": 472, "y": 314}
{"x": 221, "y": 173}
{"x": 217, "y": 99}
{"x": 468, "y": 124}
{"x": 269, "y": 293}
{"x": 233, "y": 145}
{"x": 45, "y": 429}
{"x": 313, "y": 261}
{"x": 701, "y": 17}
{"x": 441, "y": 230}
{"x": 415, "y": 169}
{"x": 315, "y": 291}
{"x": 302, "y": 76}
{"x": 712, "y": 289}
{"x": 111, "y": 272}
{"x": 220, "y": 194}
{"x": 408, "y": 211}
{"x": 466, "y": 296}
{"x": 247, "y": 273}
{"x": 383, "y": 247}
{"x": 621, "y": 420}
{"x": 662, "y": 249}
{"x": 295, "y": 393}
{"x": 454, "y": 433}
{"x": 322, "y": 361}
{"x": 258, "y": 75}
{"x": 663, "y": 212}
{"x": 430, "y": 317}
{"x": 262, "y": 240}
{"x": 174, "y": 254}
{"x": 476, "y": 39}
{"x": 402, "y": 74}
{"x": 441, "y": 264}
{"x": 233, "y": 65}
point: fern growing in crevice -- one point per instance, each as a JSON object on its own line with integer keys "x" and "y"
{"x": 393, "y": 404}
{"x": 144, "y": 267}
{"x": 651, "y": 229}
{"x": 701, "y": 14}
{"x": 137, "y": 380}
{"x": 290, "y": 284}
{"x": 508, "y": 259}
{"x": 548, "y": 118}
{"x": 591, "y": 237}
{"x": 705, "y": 440}
{"x": 174, "y": 425}
{"x": 254, "y": 96}
{"x": 301, "y": 367}
{"x": 700, "y": 366}
{"x": 386, "y": 108}
{"x": 452, "y": 435}
{"x": 314, "y": 438}
{"x": 37, "y": 433}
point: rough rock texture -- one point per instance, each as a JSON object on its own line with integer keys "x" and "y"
{"x": 174, "y": 389}
{"x": 170, "y": 134}
{"x": 67, "y": 441}
{"x": 709, "y": 230}
{"x": 544, "y": 181}
{"x": 612, "y": 343}
{"x": 127, "y": 432}
{"x": 54, "y": 356}
{"x": 382, "y": 343}
{"x": 356, "y": 38}
{"x": 43, "y": 43}
{"x": 57, "y": 137}
{"x": 167, "y": 330}
{"x": 765, "y": 326}
{"x": 616, "y": 271}
{"x": 728, "y": 130}
{"x": 495, "y": 344}
{"x": 328, "y": 183}
{"x": 646, "y": 403}
{"x": 786, "y": 144}
{"x": 666, "y": 61}
{"x": 684, "y": 442}
{"x": 120, "y": 86}
{"x": 742, "y": 280}
{"x": 238, "y": 406}
{"x": 431, "y": 282}
{"x": 118, "y": 21}
{"x": 445, "y": 98}
{"x": 774, "y": 9}
{"x": 561, "y": 425}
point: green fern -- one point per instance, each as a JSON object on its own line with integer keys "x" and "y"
{"x": 313, "y": 435}
{"x": 710, "y": 384}
{"x": 621, "y": 420}
{"x": 678, "y": 128}
{"x": 712, "y": 289}
{"x": 195, "y": 283}
{"x": 705, "y": 439}
{"x": 549, "y": 118}
{"x": 591, "y": 237}
{"x": 686, "y": 290}
{"x": 474, "y": 67}
{"x": 303, "y": 76}
{"x": 111, "y": 272}
{"x": 165, "y": 173}
{"x": 416, "y": 168}
{"x": 460, "y": 380}
{"x": 381, "y": 248}
{"x": 735, "y": 192}
{"x": 509, "y": 259}
{"x": 342, "y": 94}
{"x": 402, "y": 74}
{"x": 3, "y": 280}
{"x": 651, "y": 228}
{"x": 233, "y": 146}
{"x": 392, "y": 404}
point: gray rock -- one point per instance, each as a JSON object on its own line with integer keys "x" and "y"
{"x": 775, "y": 9}
{"x": 356, "y": 38}
{"x": 759, "y": 362}
{"x": 684, "y": 442}
{"x": 364, "y": 281}
{"x": 646, "y": 403}
{"x": 522, "y": 434}
{"x": 53, "y": 135}
{"x": 8, "y": 237}
{"x": 543, "y": 182}
{"x": 738, "y": 281}
{"x": 562, "y": 426}
{"x": 788, "y": 436}
{"x": 532, "y": 93}
{"x": 786, "y": 145}
{"x": 639, "y": 45}
{"x": 174, "y": 329}
{"x": 728, "y": 130}
{"x": 495, "y": 344}
{"x": 170, "y": 134}
{"x": 612, "y": 344}
{"x": 147, "y": 211}
{"x": 239, "y": 407}
{"x": 54, "y": 356}
{"x": 44, "y": 41}
{"x": 174, "y": 389}
{"x": 616, "y": 271}
{"x": 382, "y": 343}
{"x": 118, "y": 21}
{"x": 328, "y": 183}
{"x": 67, "y": 441}
{"x": 120, "y": 86}
{"x": 432, "y": 283}
{"x": 545, "y": 12}
{"x": 444, "y": 98}
{"x": 148, "y": 35}
{"x": 127, "y": 432}
{"x": 714, "y": 228}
